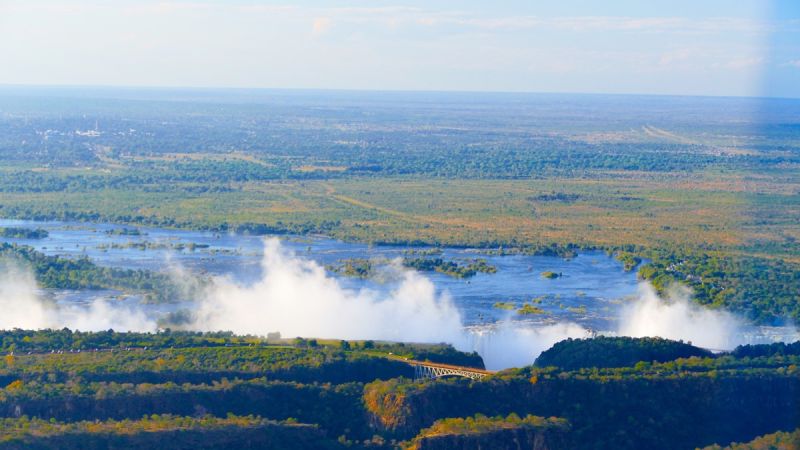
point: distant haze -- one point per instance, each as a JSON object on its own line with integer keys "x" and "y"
{"x": 715, "y": 47}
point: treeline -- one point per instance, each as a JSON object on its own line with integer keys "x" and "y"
{"x": 493, "y": 163}
{"x": 60, "y": 213}
{"x": 774, "y": 349}
{"x": 45, "y": 341}
{"x": 498, "y": 433}
{"x": 774, "y": 441}
{"x": 65, "y": 340}
{"x": 365, "y": 268}
{"x": 203, "y": 365}
{"x": 353, "y": 267}
{"x": 23, "y": 233}
{"x": 63, "y": 273}
{"x": 451, "y": 268}
{"x": 294, "y": 154}
{"x": 163, "y": 431}
{"x": 763, "y": 289}
{"x": 602, "y": 351}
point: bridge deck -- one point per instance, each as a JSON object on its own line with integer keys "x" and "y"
{"x": 442, "y": 369}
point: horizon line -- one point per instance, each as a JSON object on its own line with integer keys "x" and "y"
{"x": 368, "y": 90}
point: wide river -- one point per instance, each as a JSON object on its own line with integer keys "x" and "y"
{"x": 591, "y": 292}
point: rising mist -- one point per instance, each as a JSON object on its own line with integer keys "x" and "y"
{"x": 297, "y": 297}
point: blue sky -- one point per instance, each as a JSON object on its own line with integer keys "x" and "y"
{"x": 742, "y": 47}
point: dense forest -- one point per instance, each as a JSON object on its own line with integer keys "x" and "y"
{"x": 763, "y": 289}
{"x": 491, "y": 136}
{"x": 604, "y": 352}
{"x": 61, "y": 387}
{"x": 684, "y": 403}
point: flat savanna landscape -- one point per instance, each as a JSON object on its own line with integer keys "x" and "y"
{"x": 703, "y": 190}
{"x": 738, "y": 212}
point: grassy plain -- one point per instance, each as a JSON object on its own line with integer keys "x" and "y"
{"x": 739, "y": 212}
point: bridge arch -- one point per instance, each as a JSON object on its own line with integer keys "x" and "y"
{"x": 424, "y": 371}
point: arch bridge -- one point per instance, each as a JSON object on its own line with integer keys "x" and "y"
{"x": 429, "y": 370}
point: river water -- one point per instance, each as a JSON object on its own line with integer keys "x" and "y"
{"x": 591, "y": 291}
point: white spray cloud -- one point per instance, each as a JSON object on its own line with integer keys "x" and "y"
{"x": 22, "y": 306}
{"x": 676, "y": 318}
{"x": 647, "y": 315}
{"x": 511, "y": 345}
{"x": 298, "y": 298}
{"x": 100, "y": 315}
